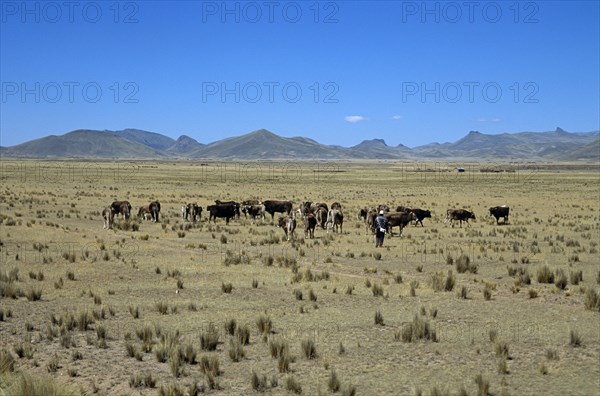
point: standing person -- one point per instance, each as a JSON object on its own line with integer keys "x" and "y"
{"x": 381, "y": 225}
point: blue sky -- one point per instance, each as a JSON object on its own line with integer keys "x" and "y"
{"x": 338, "y": 72}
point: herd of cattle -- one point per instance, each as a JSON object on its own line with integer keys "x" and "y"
{"x": 312, "y": 213}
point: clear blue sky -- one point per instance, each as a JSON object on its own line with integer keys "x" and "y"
{"x": 338, "y": 72}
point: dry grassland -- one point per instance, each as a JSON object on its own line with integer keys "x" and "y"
{"x": 177, "y": 307}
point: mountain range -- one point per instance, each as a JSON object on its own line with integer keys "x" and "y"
{"x": 557, "y": 145}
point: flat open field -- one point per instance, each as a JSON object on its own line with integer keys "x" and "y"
{"x": 101, "y": 288}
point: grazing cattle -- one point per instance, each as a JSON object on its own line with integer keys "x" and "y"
{"x": 383, "y": 207}
{"x": 335, "y": 218}
{"x": 362, "y": 214}
{"x": 193, "y": 211}
{"x": 400, "y": 219}
{"x": 108, "y": 215}
{"x": 500, "y": 211}
{"x": 122, "y": 208}
{"x": 421, "y": 214}
{"x": 310, "y": 222}
{"x": 336, "y": 205}
{"x": 154, "y": 207}
{"x": 272, "y": 206}
{"x": 321, "y": 216}
{"x": 370, "y": 220}
{"x": 288, "y": 224}
{"x": 460, "y": 215}
{"x": 403, "y": 209}
{"x": 311, "y": 207}
{"x": 144, "y": 213}
{"x": 253, "y": 211}
{"x": 248, "y": 202}
{"x": 223, "y": 211}
{"x": 236, "y": 206}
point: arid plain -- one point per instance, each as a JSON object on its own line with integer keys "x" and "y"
{"x": 178, "y": 307}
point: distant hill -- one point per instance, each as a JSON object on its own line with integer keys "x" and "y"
{"x": 263, "y": 144}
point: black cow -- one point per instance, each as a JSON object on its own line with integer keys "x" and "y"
{"x": 310, "y": 222}
{"x": 403, "y": 209}
{"x": 399, "y": 219}
{"x": 500, "y": 211}
{"x": 272, "y": 206}
{"x": 226, "y": 211}
{"x": 236, "y": 206}
{"x": 460, "y": 215}
{"x": 121, "y": 208}
{"x": 362, "y": 214}
{"x": 154, "y": 207}
{"x": 336, "y": 205}
{"x": 253, "y": 211}
{"x": 421, "y": 214}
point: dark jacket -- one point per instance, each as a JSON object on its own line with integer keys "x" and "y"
{"x": 380, "y": 222}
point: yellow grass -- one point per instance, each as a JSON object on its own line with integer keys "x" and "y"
{"x": 51, "y": 223}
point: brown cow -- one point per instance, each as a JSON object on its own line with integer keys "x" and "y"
{"x": 400, "y": 219}
{"x": 310, "y": 222}
{"x": 460, "y": 215}
{"x": 121, "y": 208}
{"x": 288, "y": 224}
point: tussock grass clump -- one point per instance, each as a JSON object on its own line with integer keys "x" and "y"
{"x": 209, "y": 365}
{"x": 292, "y": 385}
{"x": 162, "y": 307}
{"x": 532, "y": 293}
{"x": 378, "y": 319}
{"x": 264, "y": 324}
{"x": 25, "y": 384}
{"x": 575, "y": 277}
{"x": 501, "y": 349}
{"x": 574, "y": 339}
{"x": 544, "y": 274}
{"x": 560, "y": 280}
{"x": 592, "y": 299}
{"x": 348, "y": 390}
{"x": 463, "y": 264}
{"x": 226, "y": 287}
{"x": 483, "y": 385}
{"x": 309, "y": 348}
{"x": 439, "y": 283}
{"x": 552, "y": 354}
{"x": 236, "y": 350}
{"x": 7, "y": 361}
{"x": 258, "y": 381}
{"x": 487, "y": 292}
{"x": 333, "y": 382}
{"x": 242, "y": 333}
{"x": 312, "y": 296}
{"x": 377, "y": 290}
{"x": 209, "y": 339}
{"x": 298, "y": 294}
{"x": 134, "y": 311}
{"x": 419, "y": 329}
{"x": 463, "y": 292}
{"x": 53, "y": 364}
{"x": 187, "y": 353}
{"x": 230, "y": 326}
{"x": 142, "y": 381}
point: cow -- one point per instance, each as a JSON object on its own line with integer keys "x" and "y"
{"x": 121, "y": 207}
{"x": 400, "y": 219}
{"x": 191, "y": 210}
{"x": 383, "y": 207}
{"x": 335, "y": 218}
{"x": 421, "y": 214}
{"x": 248, "y": 202}
{"x": 370, "y": 220}
{"x": 311, "y": 207}
{"x": 108, "y": 215}
{"x": 460, "y": 215}
{"x": 500, "y": 211}
{"x": 362, "y": 214}
{"x": 321, "y": 216}
{"x": 154, "y": 207}
{"x": 144, "y": 213}
{"x": 227, "y": 211}
{"x": 403, "y": 209}
{"x": 236, "y": 206}
{"x": 272, "y": 206}
{"x": 336, "y": 205}
{"x": 288, "y": 224}
{"x": 253, "y": 211}
{"x": 310, "y": 222}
